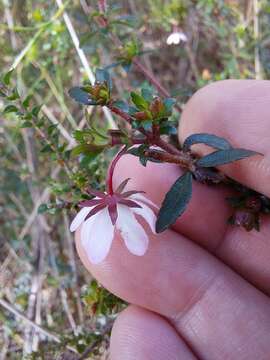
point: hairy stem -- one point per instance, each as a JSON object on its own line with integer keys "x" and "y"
{"x": 182, "y": 159}
{"x": 151, "y": 139}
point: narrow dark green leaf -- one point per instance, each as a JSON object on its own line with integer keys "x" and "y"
{"x": 2, "y": 91}
{"x": 26, "y": 124}
{"x": 208, "y": 139}
{"x": 175, "y": 202}
{"x": 42, "y": 208}
{"x": 26, "y": 101}
{"x": 7, "y": 77}
{"x": 222, "y": 157}
{"x": 10, "y": 109}
{"x": 81, "y": 96}
{"x": 139, "y": 101}
{"x": 36, "y": 109}
{"x": 14, "y": 95}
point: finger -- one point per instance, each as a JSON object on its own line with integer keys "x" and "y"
{"x": 205, "y": 220}
{"x": 238, "y": 111}
{"x": 139, "y": 334}
{"x": 212, "y": 308}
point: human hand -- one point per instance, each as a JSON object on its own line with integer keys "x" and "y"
{"x": 202, "y": 289}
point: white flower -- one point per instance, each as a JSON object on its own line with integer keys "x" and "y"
{"x": 176, "y": 37}
{"x": 109, "y": 212}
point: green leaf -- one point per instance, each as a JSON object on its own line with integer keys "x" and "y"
{"x": 167, "y": 129}
{"x": 81, "y": 96}
{"x": 26, "y": 124}
{"x": 7, "y": 77}
{"x": 214, "y": 141}
{"x": 175, "y": 202}
{"x": 42, "y": 208}
{"x": 103, "y": 75}
{"x": 10, "y": 109}
{"x": 147, "y": 94}
{"x": 46, "y": 148}
{"x": 35, "y": 111}
{"x": 139, "y": 101}
{"x": 139, "y": 151}
{"x": 169, "y": 103}
{"x": 222, "y": 157}
{"x": 2, "y": 92}
{"x": 14, "y": 95}
{"x": 122, "y": 105}
{"x": 26, "y": 101}
{"x": 87, "y": 149}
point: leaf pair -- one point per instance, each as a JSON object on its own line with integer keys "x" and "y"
{"x": 178, "y": 197}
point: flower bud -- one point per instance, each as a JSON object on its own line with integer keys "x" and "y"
{"x": 157, "y": 108}
{"x": 100, "y": 93}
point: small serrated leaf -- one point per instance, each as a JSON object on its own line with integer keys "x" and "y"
{"x": 214, "y": 141}
{"x": 81, "y": 96}
{"x": 222, "y": 157}
{"x": 7, "y": 77}
{"x": 175, "y": 202}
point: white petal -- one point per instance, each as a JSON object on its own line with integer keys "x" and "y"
{"x": 96, "y": 236}
{"x": 147, "y": 214}
{"x": 176, "y": 37}
{"x": 79, "y": 218}
{"x": 183, "y": 37}
{"x": 144, "y": 199}
{"x": 173, "y": 38}
{"x": 135, "y": 238}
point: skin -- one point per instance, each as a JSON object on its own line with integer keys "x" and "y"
{"x": 202, "y": 289}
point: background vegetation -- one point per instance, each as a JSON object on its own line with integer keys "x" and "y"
{"x": 50, "y": 307}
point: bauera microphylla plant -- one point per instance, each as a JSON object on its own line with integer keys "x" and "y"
{"x": 144, "y": 131}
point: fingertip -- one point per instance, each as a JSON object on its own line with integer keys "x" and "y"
{"x": 141, "y": 334}
{"x": 237, "y": 110}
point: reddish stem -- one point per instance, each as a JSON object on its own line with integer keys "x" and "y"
{"x": 182, "y": 159}
{"x": 121, "y": 113}
{"x": 154, "y": 140}
{"x": 109, "y": 180}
